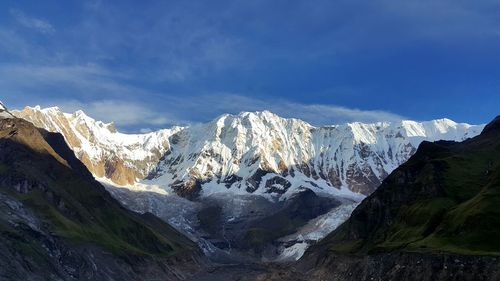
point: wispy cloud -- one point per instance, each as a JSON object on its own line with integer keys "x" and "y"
{"x": 65, "y": 80}
{"x": 208, "y": 106}
{"x": 37, "y": 24}
{"x": 128, "y": 114}
{"x": 145, "y": 117}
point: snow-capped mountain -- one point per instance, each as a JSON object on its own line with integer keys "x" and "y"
{"x": 122, "y": 158}
{"x": 235, "y": 162}
{"x": 252, "y": 152}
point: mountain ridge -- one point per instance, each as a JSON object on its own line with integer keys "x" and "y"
{"x": 250, "y": 151}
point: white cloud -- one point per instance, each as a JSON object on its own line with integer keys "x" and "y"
{"x": 145, "y": 117}
{"x": 66, "y": 80}
{"x": 316, "y": 114}
{"x": 196, "y": 109}
{"x": 33, "y": 23}
{"x": 122, "y": 113}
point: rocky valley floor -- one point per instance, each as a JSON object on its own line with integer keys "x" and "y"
{"x": 338, "y": 267}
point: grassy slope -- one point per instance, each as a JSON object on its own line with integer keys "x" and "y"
{"x": 73, "y": 203}
{"x": 445, "y": 198}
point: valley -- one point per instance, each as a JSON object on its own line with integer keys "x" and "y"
{"x": 249, "y": 140}
{"x": 292, "y": 225}
{"x": 252, "y": 187}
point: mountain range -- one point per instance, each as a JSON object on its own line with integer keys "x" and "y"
{"x": 251, "y": 192}
{"x": 252, "y": 152}
{"x": 239, "y": 170}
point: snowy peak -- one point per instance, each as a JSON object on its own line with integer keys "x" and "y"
{"x": 122, "y": 158}
{"x": 251, "y": 152}
{"x": 433, "y": 128}
{"x": 444, "y": 129}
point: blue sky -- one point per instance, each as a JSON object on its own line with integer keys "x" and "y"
{"x": 151, "y": 64}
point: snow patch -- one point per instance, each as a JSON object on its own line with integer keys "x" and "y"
{"x": 314, "y": 231}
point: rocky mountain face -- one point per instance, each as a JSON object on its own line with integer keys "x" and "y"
{"x": 58, "y": 223}
{"x": 257, "y": 153}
